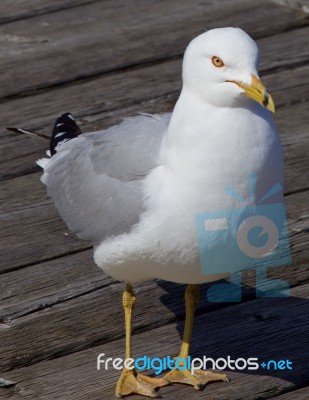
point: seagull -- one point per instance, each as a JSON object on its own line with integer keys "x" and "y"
{"x": 134, "y": 190}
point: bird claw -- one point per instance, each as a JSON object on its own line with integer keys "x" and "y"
{"x": 198, "y": 380}
{"x": 132, "y": 383}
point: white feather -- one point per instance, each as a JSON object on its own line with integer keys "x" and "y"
{"x": 42, "y": 162}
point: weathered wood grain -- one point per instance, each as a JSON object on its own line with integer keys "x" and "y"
{"x": 76, "y": 323}
{"x": 43, "y": 285}
{"x": 22, "y": 192}
{"x": 35, "y": 234}
{"x": 23, "y": 9}
{"x": 261, "y": 331}
{"x": 301, "y": 394}
{"x": 115, "y": 91}
{"x": 295, "y": 138}
{"x": 115, "y": 34}
{"x": 19, "y": 155}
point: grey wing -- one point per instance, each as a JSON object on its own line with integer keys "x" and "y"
{"x": 95, "y": 180}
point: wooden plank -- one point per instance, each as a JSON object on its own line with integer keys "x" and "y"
{"x": 133, "y": 86}
{"x": 294, "y": 135}
{"x": 151, "y": 89}
{"x": 253, "y": 329}
{"x": 55, "y": 294}
{"x": 301, "y": 394}
{"x": 43, "y": 285}
{"x": 68, "y": 332}
{"x": 22, "y": 192}
{"x": 19, "y": 155}
{"x": 35, "y": 306}
{"x": 21, "y": 9}
{"x": 86, "y": 41}
{"x": 35, "y": 234}
{"x": 275, "y": 51}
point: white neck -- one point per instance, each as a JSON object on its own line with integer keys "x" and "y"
{"x": 204, "y": 141}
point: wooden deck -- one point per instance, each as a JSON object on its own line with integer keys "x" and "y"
{"x": 103, "y": 60}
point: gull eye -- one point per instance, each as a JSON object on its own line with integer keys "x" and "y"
{"x": 217, "y": 62}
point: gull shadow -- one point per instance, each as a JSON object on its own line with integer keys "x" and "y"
{"x": 268, "y": 328}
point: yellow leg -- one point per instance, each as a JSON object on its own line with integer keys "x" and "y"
{"x": 200, "y": 378}
{"x": 130, "y": 382}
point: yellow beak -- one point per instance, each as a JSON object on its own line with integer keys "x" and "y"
{"x": 258, "y": 92}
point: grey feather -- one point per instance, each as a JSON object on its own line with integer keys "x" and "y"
{"x": 95, "y": 180}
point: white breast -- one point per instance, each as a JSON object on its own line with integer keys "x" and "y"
{"x": 199, "y": 160}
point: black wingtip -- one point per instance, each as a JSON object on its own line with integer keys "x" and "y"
{"x": 65, "y": 129}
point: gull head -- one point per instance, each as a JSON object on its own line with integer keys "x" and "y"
{"x": 221, "y": 67}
